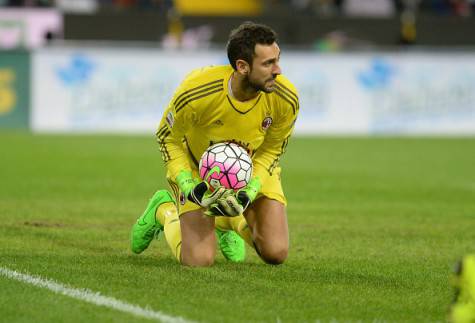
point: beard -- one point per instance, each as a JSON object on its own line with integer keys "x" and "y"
{"x": 261, "y": 86}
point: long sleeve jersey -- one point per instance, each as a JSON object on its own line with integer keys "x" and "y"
{"x": 202, "y": 112}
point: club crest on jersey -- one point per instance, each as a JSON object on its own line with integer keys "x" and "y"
{"x": 266, "y": 123}
{"x": 170, "y": 119}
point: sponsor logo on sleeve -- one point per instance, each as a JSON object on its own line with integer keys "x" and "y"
{"x": 182, "y": 198}
{"x": 170, "y": 119}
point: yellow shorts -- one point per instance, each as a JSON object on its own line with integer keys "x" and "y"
{"x": 271, "y": 188}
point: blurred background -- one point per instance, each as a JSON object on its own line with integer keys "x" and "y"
{"x": 361, "y": 66}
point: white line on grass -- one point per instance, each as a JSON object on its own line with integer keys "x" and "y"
{"x": 91, "y": 297}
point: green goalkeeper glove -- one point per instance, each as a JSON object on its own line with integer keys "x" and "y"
{"x": 235, "y": 204}
{"x": 198, "y": 191}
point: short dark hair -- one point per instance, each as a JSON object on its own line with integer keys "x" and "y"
{"x": 244, "y": 38}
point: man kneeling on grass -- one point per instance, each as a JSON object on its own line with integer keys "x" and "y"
{"x": 247, "y": 102}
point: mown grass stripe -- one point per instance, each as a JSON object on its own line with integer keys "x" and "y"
{"x": 90, "y": 297}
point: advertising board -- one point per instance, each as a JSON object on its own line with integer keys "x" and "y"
{"x": 14, "y": 89}
{"x": 126, "y": 90}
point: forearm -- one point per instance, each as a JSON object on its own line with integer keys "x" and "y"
{"x": 268, "y": 156}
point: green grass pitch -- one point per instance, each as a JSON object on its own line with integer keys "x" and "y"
{"x": 376, "y": 225}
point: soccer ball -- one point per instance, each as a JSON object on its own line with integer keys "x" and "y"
{"x": 226, "y": 164}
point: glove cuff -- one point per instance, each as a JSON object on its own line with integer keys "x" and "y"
{"x": 197, "y": 193}
{"x": 185, "y": 182}
{"x": 253, "y": 188}
{"x": 248, "y": 194}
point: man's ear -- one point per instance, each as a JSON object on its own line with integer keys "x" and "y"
{"x": 243, "y": 67}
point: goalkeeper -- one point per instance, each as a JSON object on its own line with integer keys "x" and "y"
{"x": 247, "y": 102}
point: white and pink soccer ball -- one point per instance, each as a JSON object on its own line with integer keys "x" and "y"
{"x": 226, "y": 164}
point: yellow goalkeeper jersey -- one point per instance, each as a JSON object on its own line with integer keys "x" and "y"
{"x": 202, "y": 112}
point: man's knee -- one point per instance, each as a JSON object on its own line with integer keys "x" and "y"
{"x": 274, "y": 254}
{"x": 198, "y": 258}
{"x": 198, "y": 247}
